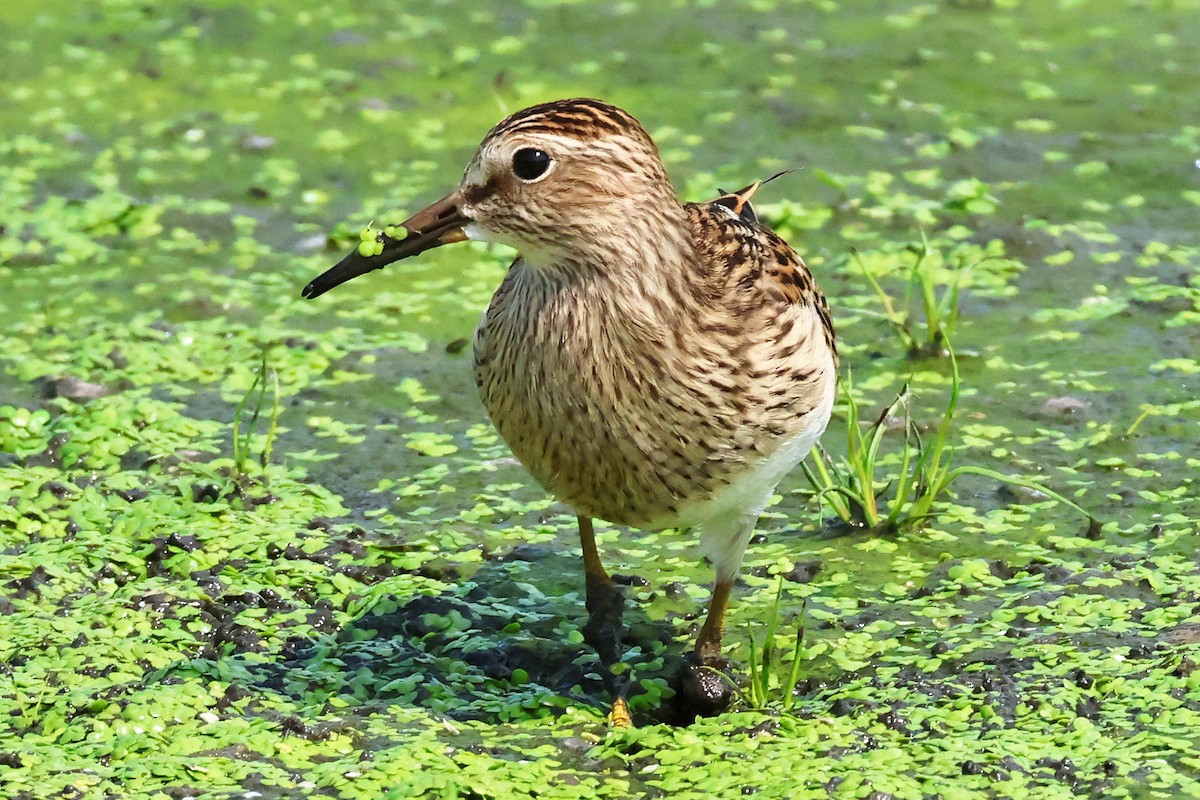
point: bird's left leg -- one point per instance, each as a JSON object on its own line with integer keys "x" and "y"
{"x": 603, "y": 630}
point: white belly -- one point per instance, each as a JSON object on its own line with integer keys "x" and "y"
{"x": 727, "y": 519}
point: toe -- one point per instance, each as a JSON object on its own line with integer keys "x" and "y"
{"x": 704, "y": 688}
{"x": 620, "y": 717}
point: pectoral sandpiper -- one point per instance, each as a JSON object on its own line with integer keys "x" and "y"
{"x": 653, "y": 363}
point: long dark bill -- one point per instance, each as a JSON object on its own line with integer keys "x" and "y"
{"x": 441, "y": 223}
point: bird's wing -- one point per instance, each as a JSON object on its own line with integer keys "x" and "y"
{"x": 747, "y": 264}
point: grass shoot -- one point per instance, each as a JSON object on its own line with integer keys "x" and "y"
{"x": 256, "y": 394}
{"x": 767, "y": 678}
{"x": 859, "y": 494}
{"x": 939, "y": 310}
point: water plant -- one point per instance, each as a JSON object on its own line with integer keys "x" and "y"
{"x": 242, "y": 441}
{"x": 768, "y": 682}
{"x": 859, "y": 494}
{"x": 938, "y": 300}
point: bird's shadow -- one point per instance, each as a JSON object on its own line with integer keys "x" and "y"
{"x": 493, "y": 648}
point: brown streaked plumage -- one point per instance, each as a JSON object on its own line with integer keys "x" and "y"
{"x": 652, "y": 363}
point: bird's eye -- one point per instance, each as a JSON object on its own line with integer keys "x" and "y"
{"x": 529, "y": 163}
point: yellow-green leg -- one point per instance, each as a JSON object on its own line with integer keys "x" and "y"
{"x": 603, "y": 630}
{"x": 700, "y": 683}
{"x": 708, "y": 643}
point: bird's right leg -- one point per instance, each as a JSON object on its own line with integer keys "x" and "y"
{"x": 603, "y": 630}
{"x": 702, "y": 681}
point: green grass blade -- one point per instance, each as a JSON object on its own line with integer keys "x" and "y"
{"x": 897, "y": 319}
{"x": 1024, "y": 483}
{"x": 273, "y": 428}
{"x": 824, "y": 485}
{"x": 753, "y": 692}
{"x": 789, "y": 697}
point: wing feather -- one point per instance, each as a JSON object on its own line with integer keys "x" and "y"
{"x": 749, "y": 265}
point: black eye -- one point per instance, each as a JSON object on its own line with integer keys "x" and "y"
{"x": 529, "y": 163}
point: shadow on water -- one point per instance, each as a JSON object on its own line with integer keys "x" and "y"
{"x": 497, "y": 650}
{"x": 492, "y": 648}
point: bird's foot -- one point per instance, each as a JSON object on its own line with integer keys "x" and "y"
{"x": 703, "y": 685}
{"x": 603, "y": 630}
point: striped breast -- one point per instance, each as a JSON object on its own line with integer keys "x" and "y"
{"x": 642, "y": 410}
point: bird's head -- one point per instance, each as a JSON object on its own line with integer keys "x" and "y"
{"x": 564, "y": 183}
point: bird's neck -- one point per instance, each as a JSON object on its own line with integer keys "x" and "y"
{"x": 648, "y": 263}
